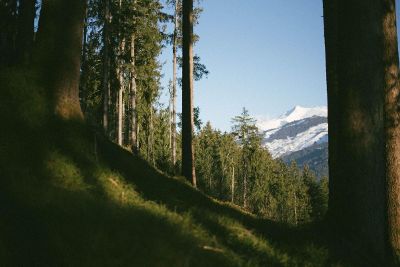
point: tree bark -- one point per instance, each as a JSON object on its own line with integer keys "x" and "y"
{"x": 245, "y": 191}
{"x": 25, "y": 31}
{"x": 152, "y": 137}
{"x": 120, "y": 73}
{"x": 120, "y": 98}
{"x": 392, "y": 124}
{"x": 361, "y": 58}
{"x": 59, "y": 45}
{"x": 106, "y": 66}
{"x": 8, "y": 26}
{"x": 295, "y": 207}
{"x": 84, "y": 66}
{"x": 233, "y": 185}
{"x": 188, "y": 168}
{"x": 174, "y": 79}
{"x": 133, "y": 99}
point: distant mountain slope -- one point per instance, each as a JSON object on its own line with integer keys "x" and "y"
{"x": 292, "y": 129}
{"x": 300, "y": 134}
{"x": 297, "y": 129}
{"x": 315, "y": 156}
{"x": 296, "y": 136}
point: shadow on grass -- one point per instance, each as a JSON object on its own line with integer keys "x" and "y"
{"x": 86, "y": 224}
{"x": 57, "y": 207}
{"x": 61, "y": 206}
{"x": 257, "y": 241}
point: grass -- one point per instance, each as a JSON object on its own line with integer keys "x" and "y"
{"x": 63, "y": 204}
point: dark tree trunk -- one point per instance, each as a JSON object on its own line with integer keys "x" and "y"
{"x": 120, "y": 98}
{"x": 174, "y": 79}
{"x": 361, "y": 57}
{"x": 133, "y": 99}
{"x": 188, "y": 168}
{"x": 392, "y": 124}
{"x": 106, "y": 66}
{"x": 8, "y": 31}
{"x": 59, "y": 45}
{"x": 233, "y": 184}
{"x": 84, "y": 65}
{"x": 25, "y": 30}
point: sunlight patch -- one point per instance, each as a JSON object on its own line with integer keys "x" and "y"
{"x": 64, "y": 173}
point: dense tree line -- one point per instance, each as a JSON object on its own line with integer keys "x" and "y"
{"x": 120, "y": 73}
{"x": 234, "y": 166}
{"x": 123, "y": 40}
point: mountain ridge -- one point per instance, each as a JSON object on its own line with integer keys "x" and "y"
{"x": 300, "y": 134}
{"x": 295, "y": 114}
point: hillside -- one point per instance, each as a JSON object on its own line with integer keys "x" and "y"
{"x": 68, "y": 197}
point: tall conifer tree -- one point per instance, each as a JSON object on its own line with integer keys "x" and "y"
{"x": 188, "y": 166}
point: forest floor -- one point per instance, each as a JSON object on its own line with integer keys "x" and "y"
{"x": 70, "y": 198}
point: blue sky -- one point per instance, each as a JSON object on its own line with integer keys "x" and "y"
{"x": 265, "y": 55}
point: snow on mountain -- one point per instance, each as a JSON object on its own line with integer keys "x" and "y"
{"x": 313, "y": 135}
{"x": 296, "y": 130}
{"x": 295, "y": 114}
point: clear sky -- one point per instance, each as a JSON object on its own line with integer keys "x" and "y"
{"x": 265, "y": 55}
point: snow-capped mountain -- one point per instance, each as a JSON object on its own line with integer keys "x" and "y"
{"x": 301, "y": 134}
{"x": 295, "y": 130}
{"x": 295, "y": 114}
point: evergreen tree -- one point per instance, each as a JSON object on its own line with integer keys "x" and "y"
{"x": 246, "y": 132}
{"x": 188, "y": 165}
{"x": 317, "y": 192}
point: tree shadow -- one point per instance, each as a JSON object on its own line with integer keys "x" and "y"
{"x": 43, "y": 224}
{"x": 299, "y": 243}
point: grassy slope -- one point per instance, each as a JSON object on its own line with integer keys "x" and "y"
{"x": 62, "y": 204}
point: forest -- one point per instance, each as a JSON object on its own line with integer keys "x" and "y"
{"x": 97, "y": 170}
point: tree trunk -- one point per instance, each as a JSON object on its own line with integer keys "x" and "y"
{"x": 8, "y": 26}
{"x": 188, "y": 168}
{"x": 245, "y": 191}
{"x": 120, "y": 105}
{"x": 392, "y": 124}
{"x": 120, "y": 99}
{"x": 174, "y": 79}
{"x": 170, "y": 118}
{"x": 59, "y": 45}
{"x": 133, "y": 99}
{"x": 233, "y": 185}
{"x": 83, "y": 80}
{"x": 106, "y": 66}
{"x": 151, "y": 135}
{"x": 361, "y": 60}
{"x": 138, "y": 135}
{"x": 295, "y": 207}
{"x": 25, "y": 31}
